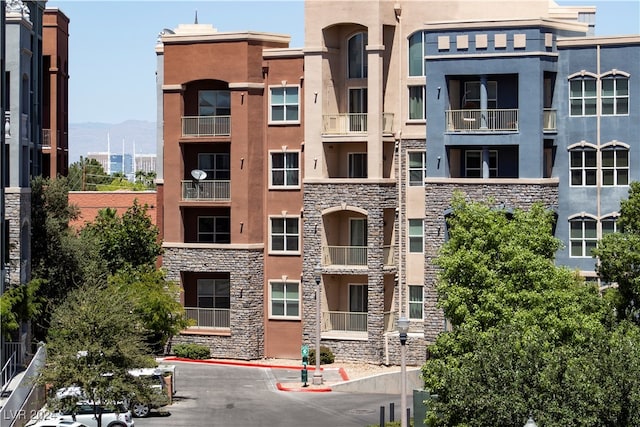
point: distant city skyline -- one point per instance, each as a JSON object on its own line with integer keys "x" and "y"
{"x": 112, "y": 61}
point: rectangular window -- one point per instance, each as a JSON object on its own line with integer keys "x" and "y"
{"x": 285, "y": 299}
{"x": 214, "y": 293}
{"x": 357, "y": 165}
{"x": 214, "y": 103}
{"x": 417, "y": 167}
{"x": 615, "y": 167}
{"x": 473, "y": 163}
{"x": 583, "y": 167}
{"x": 582, "y": 97}
{"x": 358, "y": 298}
{"x": 416, "y": 102}
{"x": 216, "y": 165}
{"x": 416, "y": 303}
{"x": 471, "y": 97}
{"x": 285, "y": 235}
{"x": 609, "y": 226}
{"x": 416, "y": 236}
{"x": 583, "y": 237}
{"x": 285, "y": 169}
{"x": 615, "y": 96}
{"x": 214, "y": 229}
{"x": 284, "y": 105}
{"x": 358, "y": 110}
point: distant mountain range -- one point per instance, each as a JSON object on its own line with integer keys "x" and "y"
{"x": 94, "y": 137}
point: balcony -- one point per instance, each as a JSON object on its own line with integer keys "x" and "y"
{"x": 219, "y": 191}
{"x": 494, "y": 120}
{"x": 549, "y": 120}
{"x": 208, "y": 317}
{"x": 344, "y": 255}
{"x": 206, "y": 126}
{"x": 353, "y": 124}
{"x": 344, "y": 321}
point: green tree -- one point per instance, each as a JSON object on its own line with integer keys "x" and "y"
{"x": 146, "y": 179}
{"x": 155, "y": 300}
{"x": 127, "y": 241}
{"x": 619, "y": 258}
{"x": 94, "y": 340}
{"x": 86, "y": 174}
{"x": 528, "y": 337}
{"x": 19, "y": 304}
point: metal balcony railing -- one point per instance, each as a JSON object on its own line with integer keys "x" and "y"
{"x": 495, "y": 120}
{"x": 549, "y": 120}
{"x": 217, "y": 190}
{"x": 345, "y": 255}
{"x": 198, "y": 126}
{"x": 353, "y": 123}
{"x": 46, "y": 138}
{"x": 346, "y": 321}
{"x": 209, "y": 317}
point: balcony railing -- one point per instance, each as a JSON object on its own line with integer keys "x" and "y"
{"x": 46, "y": 138}
{"x": 208, "y": 317}
{"x": 352, "y": 123}
{"x": 496, "y": 120}
{"x": 206, "y": 190}
{"x": 345, "y": 255}
{"x": 347, "y": 321}
{"x": 549, "y": 120}
{"x": 198, "y": 126}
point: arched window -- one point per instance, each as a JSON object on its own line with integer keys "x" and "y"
{"x": 582, "y": 96}
{"x": 583, "y": 166}
{"x": 615, "y": 95}
{"x": 615, "y": 165}
{"x": 357, "y": 56}
{"x": 583, "y": 236}
{"x": 416, "y": 54}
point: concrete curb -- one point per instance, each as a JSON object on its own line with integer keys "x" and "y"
{"x": 279, "y": 386}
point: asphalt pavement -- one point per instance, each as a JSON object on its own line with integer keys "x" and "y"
{"x": 229, "y": 395}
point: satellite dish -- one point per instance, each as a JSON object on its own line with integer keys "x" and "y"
{"x": 198, "y": 174}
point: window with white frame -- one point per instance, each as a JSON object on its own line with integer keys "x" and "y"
{"x": 285, "y": 234}
{"x": 285, "y": 299}
{"x": 416, "y": 236}
{"x": 473, "y": 163}
{"x": 416, "y": 102}
{"x": 583, "y": 237}
{"x": 615, "y": 166}
{"x": 615, "y": 95}
{"x": 416, "y": 54}
{"x": 357, "y": 165}
{"x": 416, "y": 302}
{"x": 285, "y": 169}
{"x": 216, "y": 165}
{"x": 214, "y": 229}
{"x": 417, "y": 167}
{"x": 609, "y": 225}
{"x": 214, "y": 293}
{"x": 357, "y": 56}
{"x": 582, "y": 96}
{"x": 214, "y": 103}
{"x": 583, "y": 166}
{"x": 285, "y": 104}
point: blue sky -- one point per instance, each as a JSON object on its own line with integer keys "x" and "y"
{"x": 112, "y": 61}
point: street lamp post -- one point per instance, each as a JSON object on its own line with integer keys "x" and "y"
{"x": 403, "y": 328}
{"x": 317, "y": 373}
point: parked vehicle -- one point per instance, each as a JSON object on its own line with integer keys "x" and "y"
{"x": 163, "y": 389}
{"x": 56, "y": 423}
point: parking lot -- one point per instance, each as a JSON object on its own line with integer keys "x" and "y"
{"x": 215, "y": 395}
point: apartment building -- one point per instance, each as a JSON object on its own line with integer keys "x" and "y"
{"x": 229, "y": 175}
{"x": 55, "y": 94}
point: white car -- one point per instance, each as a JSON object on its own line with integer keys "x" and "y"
{"x": 56, "y": 423}
{"x": 163, "y": 391}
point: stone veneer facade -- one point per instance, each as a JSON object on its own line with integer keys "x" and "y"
{"x": 374, "y": 198}
{"x": 513, "y": 194}
{"x": 18, "y": 214}
{"x": 245, "y": 337}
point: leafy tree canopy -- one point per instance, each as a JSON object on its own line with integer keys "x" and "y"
{"x": 528, "y": 337}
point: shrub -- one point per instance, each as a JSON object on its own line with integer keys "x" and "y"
{"x": 326, "y": 356}
{"x": 192, "y": 351}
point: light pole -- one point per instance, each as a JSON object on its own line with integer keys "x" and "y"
{"x": 317, "y": 373}
{"x": 403, "y": 328}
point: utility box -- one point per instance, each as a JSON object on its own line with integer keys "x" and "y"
{"x": 421, "y": 399}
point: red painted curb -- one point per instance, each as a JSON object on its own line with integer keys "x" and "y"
{"x": 237, "y": 363}
{"x": 308, "y": 390}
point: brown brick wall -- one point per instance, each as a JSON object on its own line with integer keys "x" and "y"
{"x": 90, "y": 202}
